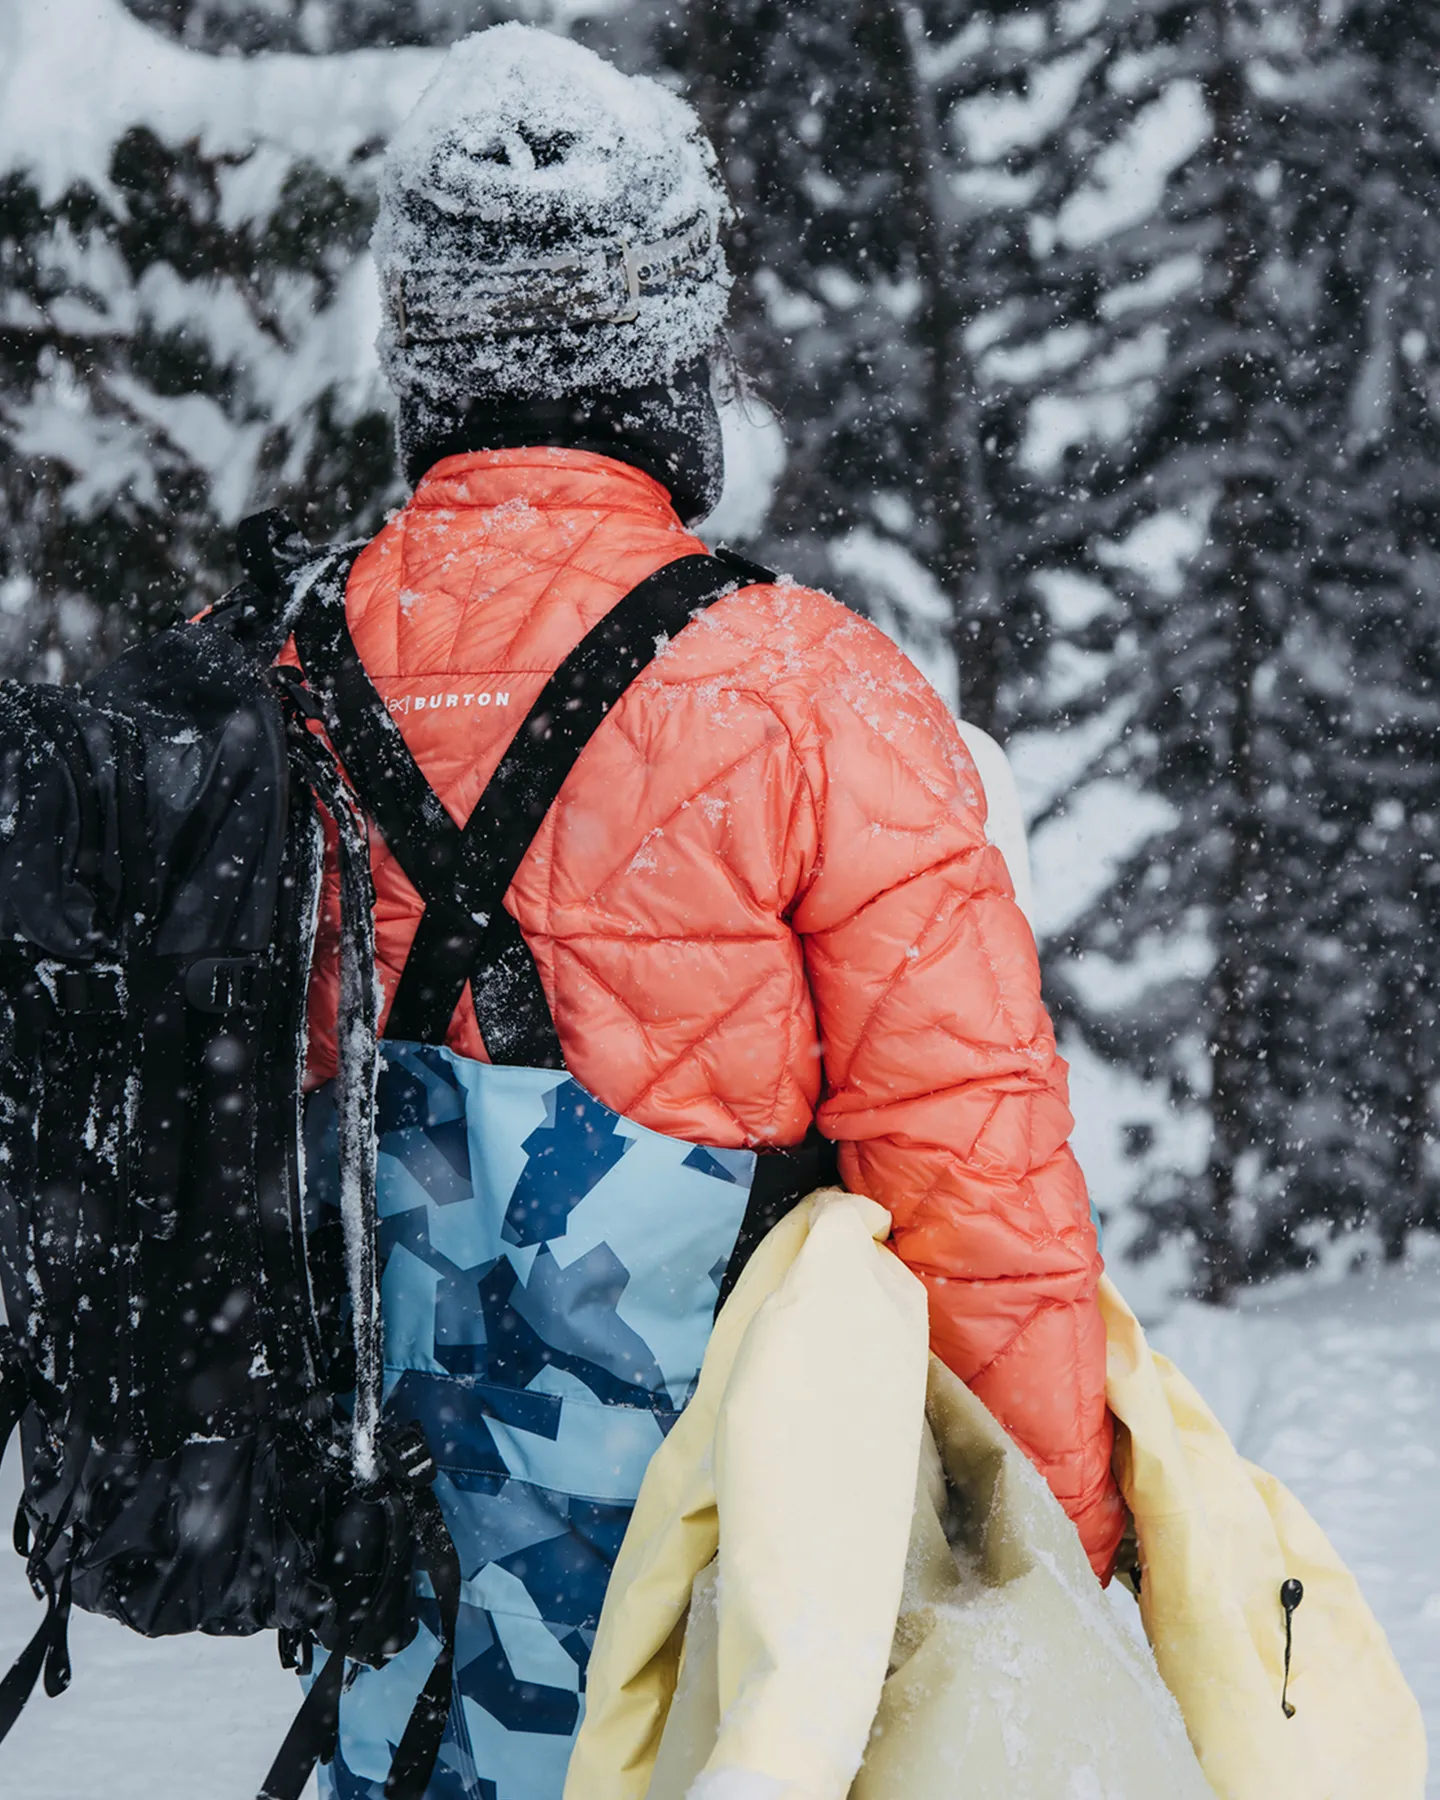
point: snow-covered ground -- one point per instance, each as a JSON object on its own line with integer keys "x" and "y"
{"x": 1335, "y": 1388}
{"x": 1334, "y": 1385}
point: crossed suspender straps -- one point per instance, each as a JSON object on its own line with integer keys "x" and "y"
{"x": 462, "y": 873}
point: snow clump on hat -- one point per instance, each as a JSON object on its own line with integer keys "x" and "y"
{"x": 548, "y": 226}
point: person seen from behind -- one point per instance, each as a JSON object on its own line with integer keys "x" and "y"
{"x": 762, "y": 908}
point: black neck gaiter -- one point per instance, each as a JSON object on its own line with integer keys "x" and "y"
{"x": 670, "y": 430}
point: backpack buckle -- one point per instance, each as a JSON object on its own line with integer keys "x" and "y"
{"x": 291, "y": 687}
{"x": 409, "y": 1457}
{"x": 50, "y": 992}
{"x": 220, "y": 984}
{"x": 88, "y": 991}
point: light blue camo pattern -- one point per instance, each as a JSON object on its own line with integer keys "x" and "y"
{"x": 550, "y": 1273}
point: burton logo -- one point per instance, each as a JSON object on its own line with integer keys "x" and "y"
{"x": 434, "y": 702}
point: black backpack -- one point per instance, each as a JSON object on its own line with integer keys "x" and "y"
{"x": 180, "y": 1332}
{"x": 192, "y": 1360}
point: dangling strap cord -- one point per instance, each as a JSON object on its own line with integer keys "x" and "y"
{"x": 311, "y": 1737}
{"x": 1292, "y": 1592}
{"x": 414, "y": 1760}
{"x": 49, "y": 1650}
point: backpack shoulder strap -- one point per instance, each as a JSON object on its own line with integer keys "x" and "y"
{"x": 420, "y": 833}
{"x": 462, "y": 875}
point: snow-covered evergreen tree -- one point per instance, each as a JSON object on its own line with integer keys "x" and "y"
{"x": 187, "y": 315}
{"x": 1374, "y": 578}
{"x": 1248, "y": 952}
{"x": 889, "y": 161}
{"x": 320, "y": 27}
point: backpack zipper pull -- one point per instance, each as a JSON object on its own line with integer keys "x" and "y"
{"x": 1292, "y": 1592}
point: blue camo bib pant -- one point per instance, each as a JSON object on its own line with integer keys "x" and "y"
{"x": 550, "y": 1275}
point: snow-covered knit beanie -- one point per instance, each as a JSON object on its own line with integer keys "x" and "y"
{"x": 548, "y": 229}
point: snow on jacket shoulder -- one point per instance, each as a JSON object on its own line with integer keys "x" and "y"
{"x": 764, "y": 896}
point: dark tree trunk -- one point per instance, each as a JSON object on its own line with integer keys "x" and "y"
{"x": 950, "y": 476}
{"x": 1234, "y": 581}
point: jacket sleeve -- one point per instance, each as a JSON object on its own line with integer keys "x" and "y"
{"x": 942, "y": 1082}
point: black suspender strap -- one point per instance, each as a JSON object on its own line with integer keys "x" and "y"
{"x": 782, "y": 1179}
{"x": 422, "y": 836}
{"x": 466, "y": 934}
{"x": 509, "y": 1001}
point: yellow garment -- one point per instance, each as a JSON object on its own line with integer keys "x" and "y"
{"x": 1217, "y": 1538}
{"x": 779, "y": 1416}
{"x": 1011, "y": 1679}
{"x": 805, "y": 1435}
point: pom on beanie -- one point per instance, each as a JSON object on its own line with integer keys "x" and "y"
{"x": 548, "y": 226}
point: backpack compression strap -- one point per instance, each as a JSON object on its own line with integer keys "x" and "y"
{"x": 465, "y": 933}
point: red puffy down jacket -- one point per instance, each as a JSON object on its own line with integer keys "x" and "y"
{"x": 763, "y": 896}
